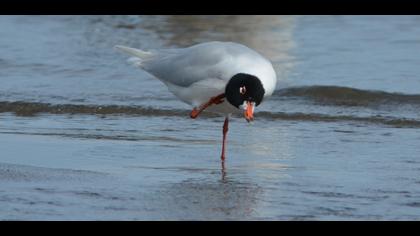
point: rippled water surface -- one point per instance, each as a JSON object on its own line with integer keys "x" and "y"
{"x": 86, "y": 136}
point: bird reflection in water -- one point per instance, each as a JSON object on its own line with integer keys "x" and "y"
{"x": 223, "y": 170}
{"x": 207, "y": 199}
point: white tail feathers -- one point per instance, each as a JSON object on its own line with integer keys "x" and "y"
{"x": 135, "y": 52}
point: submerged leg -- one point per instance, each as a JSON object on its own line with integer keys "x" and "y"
{"x": 225, "y": 130}
{"x": 214, "y": 100}
{"x": 223, "y": 171}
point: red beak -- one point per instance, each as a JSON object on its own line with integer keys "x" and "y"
{"x": 249, "y": 112}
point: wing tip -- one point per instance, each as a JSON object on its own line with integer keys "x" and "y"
{"x": 120, "y": 47}
{"x": 134, "y": 51}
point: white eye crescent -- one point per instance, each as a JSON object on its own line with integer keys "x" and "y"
{"x": 242, "y": 90}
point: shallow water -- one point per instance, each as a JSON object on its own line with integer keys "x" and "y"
{"x": 85, "y": 136}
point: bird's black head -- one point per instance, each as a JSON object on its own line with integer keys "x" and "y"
{"x": 244, "y": 87}
{"x": 245, "y": 91}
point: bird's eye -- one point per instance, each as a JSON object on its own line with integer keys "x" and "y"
{"x": 242, "y": 90}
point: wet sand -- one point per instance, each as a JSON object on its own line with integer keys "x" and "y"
{"x": 57, "y": 177}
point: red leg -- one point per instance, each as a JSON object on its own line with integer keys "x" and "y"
{"x": 225, "y": 130}
{"x": 214, "y": 100}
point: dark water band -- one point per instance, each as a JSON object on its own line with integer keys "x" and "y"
{"x": 34, "y": 108}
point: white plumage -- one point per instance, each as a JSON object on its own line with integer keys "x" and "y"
{"x": 197, "y": 73}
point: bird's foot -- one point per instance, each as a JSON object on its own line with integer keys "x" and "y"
{"x": 194, "y": 113}
{"x": 213, "y": 100}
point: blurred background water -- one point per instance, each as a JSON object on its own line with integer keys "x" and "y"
{"x": 84, "y": 135}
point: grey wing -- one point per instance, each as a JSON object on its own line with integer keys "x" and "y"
{"x": 186, "y": 66}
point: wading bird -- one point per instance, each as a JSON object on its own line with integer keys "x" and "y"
{"x": 221, "y": 77}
